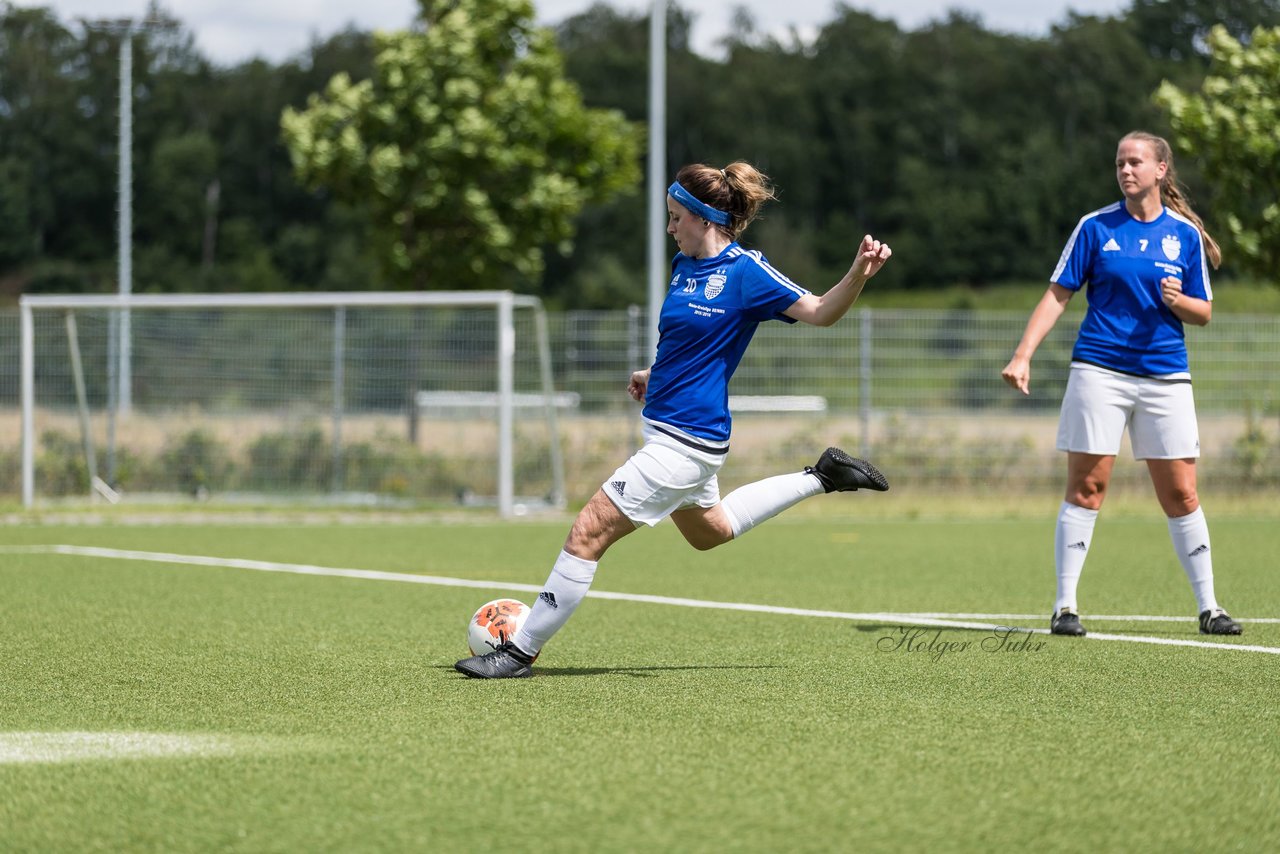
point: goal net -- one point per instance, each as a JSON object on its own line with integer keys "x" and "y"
{"x": 377, "y": 398}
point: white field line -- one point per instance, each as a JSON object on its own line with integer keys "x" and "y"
{"x": 1103, "y": 618}
{"x": 25, "y": 748}
{"x": 947, "y": 621}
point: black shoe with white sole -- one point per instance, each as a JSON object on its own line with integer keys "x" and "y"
{"x": 1218, "y": 622}
{"x": 839, "y": 472}
{"x": 505, "y": 662}
{"x": 1066, "y": 622}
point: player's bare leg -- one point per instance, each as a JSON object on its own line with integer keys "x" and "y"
{"x": 598, "y": 526}
{"x": 1088, "y": 476}
{"x": 1175, "y": 485}
{"x": 749, "y": 505}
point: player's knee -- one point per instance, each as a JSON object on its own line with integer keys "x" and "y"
{"x": 1087, "y": 493}
{"x": 1180, "y": 502}
{"x": 707, "y": 542}
{"x": 705, "y": 538}
{"x": 597, "y": 527}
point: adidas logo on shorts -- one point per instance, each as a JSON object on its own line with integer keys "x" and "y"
{"x": 619, "y": 486}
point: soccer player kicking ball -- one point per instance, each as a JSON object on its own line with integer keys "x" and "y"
{"x": 719, "y": 293}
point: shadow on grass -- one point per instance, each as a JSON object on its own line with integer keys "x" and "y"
{"x": 1180, "y": 631}
{"x": 635, "y": 672}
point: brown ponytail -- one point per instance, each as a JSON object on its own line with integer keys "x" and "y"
{"x": 738, "y": 189}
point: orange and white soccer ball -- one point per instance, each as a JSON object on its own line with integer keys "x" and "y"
{"x": 494, "y": 623}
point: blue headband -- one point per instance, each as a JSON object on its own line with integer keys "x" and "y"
{"x": 684, "y": 197}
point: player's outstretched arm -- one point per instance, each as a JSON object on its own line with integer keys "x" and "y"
{"x": 834, "y": 304}
{"x": 1046, "y": 313}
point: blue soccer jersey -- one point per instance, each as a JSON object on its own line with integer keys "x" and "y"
{"x": 1127, "y": 327}
{"x": 711, "y": 311}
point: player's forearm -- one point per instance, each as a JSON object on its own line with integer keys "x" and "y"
{"x": 1192, "y": 310}
{"x": 835, "y": 303}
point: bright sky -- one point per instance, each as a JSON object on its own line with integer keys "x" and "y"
{"x": 231, "y": 31}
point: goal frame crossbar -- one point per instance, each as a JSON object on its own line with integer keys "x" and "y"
{"x": 504, "y": 303}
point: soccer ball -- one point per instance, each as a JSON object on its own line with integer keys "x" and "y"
{"x": 494, "y": 623}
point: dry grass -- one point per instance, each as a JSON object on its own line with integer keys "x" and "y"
{"x": 920, "y": 448}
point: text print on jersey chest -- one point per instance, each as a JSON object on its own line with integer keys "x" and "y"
{"x": 1139, "y": 251}
{"x": 714, "y": 287}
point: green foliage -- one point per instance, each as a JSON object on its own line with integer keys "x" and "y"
{"x": 468, "y": 146}
{"x": 302, "y": 460}
{"x": 16, "y": 245}
{"x": 54, "y": 120}
{"x": 195, "y": 462}
{"x": 199, "y": 464}
{"x": 60, "y": 465}
{"x": 1233, "y": 126}
{"x": 389, "y": 465}
{"x": 1177, "y": 30}
{"x": 943, "y": 458}
{"x": 290, "y": 460}
{"x": 1254, "y": 460}
{"x": 973, "y": 152}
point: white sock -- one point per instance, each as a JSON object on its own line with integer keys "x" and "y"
{"x": 1190, "y": 535}
{"x": 1071, "y": 541}
{"x": 748, "y": 506}
{"x": 567, "y": 585}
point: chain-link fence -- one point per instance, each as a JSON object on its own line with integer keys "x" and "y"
{"x": 917, "y": 391}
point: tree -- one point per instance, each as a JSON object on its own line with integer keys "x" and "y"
{"x": 468, "y": 147}
{"x": 1178, "y": 29}
{"x": 1233, "y": 126}
{"x": 52, "y": 132}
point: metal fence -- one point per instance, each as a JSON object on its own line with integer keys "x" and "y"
{"x": 918, "y": 391}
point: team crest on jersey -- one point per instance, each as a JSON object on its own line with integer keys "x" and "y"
{"x": 690, "y": 285}
{"x": 715, "y": 284}
{"x": 1172, "y": 248}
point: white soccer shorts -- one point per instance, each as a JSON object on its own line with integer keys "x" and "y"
{"x": 662, "y": 477}
{"x": 1099, "y": 405}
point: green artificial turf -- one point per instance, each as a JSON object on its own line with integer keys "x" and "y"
{"x": 648, "y": 727}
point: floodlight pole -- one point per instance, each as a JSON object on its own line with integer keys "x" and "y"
{"x": 124, "y": 236}
{"x": 658, "y": 267}
{"x": 126, "y": 29}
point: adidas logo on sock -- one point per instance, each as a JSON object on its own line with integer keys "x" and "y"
{"x": 550, "y": 598}
{"x": 619, "y": 486}
{"x": 1080, "y": 546}
{"x": 1198, "y": 550}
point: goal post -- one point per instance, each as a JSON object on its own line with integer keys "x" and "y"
{"x": 294, "y": 394}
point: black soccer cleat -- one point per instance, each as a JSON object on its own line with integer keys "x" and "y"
{"x": 505, "y": 662}
{"x": 1218, "y": 622}
{"x": 1065, "y": 622}
{"x": 839, "y": 472}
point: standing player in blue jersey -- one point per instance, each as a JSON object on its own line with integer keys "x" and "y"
{"x": 1145, "y": 262}
{"x": 718, "y": 294}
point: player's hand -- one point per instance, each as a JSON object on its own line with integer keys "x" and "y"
{"x": 639, "y": 385}
{"x": 1170, "y": 290}
{"x": 1018, "y": 374}
{"x": 872, "y": 255}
